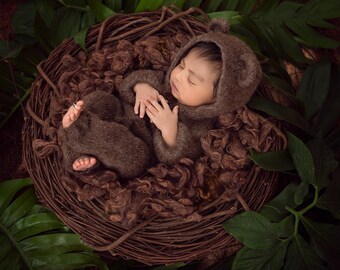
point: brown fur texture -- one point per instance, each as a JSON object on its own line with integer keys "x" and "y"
{"x": 109, "y": 130}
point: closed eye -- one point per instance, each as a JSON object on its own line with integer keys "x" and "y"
{"x": 190, "y": 82}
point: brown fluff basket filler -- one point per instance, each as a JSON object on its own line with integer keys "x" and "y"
{"x": 168, "y": 214}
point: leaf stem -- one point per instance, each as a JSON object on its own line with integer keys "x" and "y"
{"x": 17, "y": 247}
{"x": 297, "y": 216}
{"x": 316, "y": 197}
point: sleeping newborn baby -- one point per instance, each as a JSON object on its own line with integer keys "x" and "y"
{"x": 160, "y": 117}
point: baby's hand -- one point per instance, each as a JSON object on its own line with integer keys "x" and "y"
{"x": 164, "y": 119}
{"x": 143, "y": 92}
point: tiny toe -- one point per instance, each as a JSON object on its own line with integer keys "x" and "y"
{"x": 93, "y": 161}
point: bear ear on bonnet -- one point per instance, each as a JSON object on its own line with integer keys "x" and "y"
{"x": 219, "y": 25}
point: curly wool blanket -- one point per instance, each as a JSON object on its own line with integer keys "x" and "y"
{"x": 181, "y": 190}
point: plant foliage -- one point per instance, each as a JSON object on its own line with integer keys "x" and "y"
{"x": 32, "y": 237}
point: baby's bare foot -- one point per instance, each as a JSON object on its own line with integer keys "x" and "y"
{"x": 72, "y": 114}
{"x": 83, "y": 163}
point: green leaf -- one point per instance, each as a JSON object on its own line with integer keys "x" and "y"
{"x": 14, "y": 105}
{"x": 27, "y": 61}
{"x": 279, "y": 18}
{"x": 34, "y": 224}
{"x": 68, "y": 261}
{"x": 301, "y": 193}
{"x": 80, "y": 38}
{"x": 280, "y": 84}
{"x": 302, "y": 159}
{"x": 229, "y": 5}
{"x": 300, "y": 255}
{"x": 146, "y": 5}
{"x": 5, "y": 249}
{"x": 87, "y": 20}
{"x": 42, "y": 33}
{"x": 18, "y": 208}
{"x": 12, "y": 261}
{"x": 330, "y": 112}
{"x": 289, "y": 47}
{"x": 191, "y": 3}
{"x": 178, "y": 3}
{"x": 329, "y": 9}
{"x": 100, "y": 11}
{"x": 325, "y": 239}
{"x": 330, "y": 200}
{"x": 65, "y": 23}
{"x": 45, "y": 11}
{"x": 229, "y": 16}
{"x": 9, "y": 188}
{"x": 267, "y": 6}
{"x": 324, "y": 161}
{"x": 275, "y": 209}
{"x": 23, "y": 19}
{"x": 251, "y": 259}
{"x": 10, "y": 49}
{"x": 210, "y": 6}
{"x": 115, "y": 5}
{"x": 279, "y": 111}
{"x": 246, "y": 6}
{"x": 268, "y": 48}
{"x": 272, "y": 160}
{"x": 309, "y": 36}
{"x": 314, "y": 87}
{"x": 255, "y": 231}
{"x": 62, "y": 243}
{"x": 33, "y": 238}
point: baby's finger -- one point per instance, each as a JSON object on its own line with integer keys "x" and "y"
{"x": 142, "y": 110}
{"x": 136, "y": 108}
{"x": 175, "y": 110}
{"x": 155, "y": 104}
{"x": 150, "y": 115}
{"x": 164, "y": 102}
{"x": 150, "y": 107}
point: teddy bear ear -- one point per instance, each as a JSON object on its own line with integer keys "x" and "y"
{"x": 250, "y": 70}
{"x": 219, "y": 25}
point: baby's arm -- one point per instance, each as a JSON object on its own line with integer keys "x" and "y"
{"x": 186, "y": 146}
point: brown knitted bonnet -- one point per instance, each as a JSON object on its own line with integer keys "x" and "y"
{"x": 240, "y": 75}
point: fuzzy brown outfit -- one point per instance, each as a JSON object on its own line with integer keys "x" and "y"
{"x": 109, "y": 130}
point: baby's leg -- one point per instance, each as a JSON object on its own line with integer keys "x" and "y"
{"x": 72, "y": 114}
{"x": 83, "y": 163}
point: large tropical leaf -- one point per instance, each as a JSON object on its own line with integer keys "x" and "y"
{"x": 290, "y": 24}
{"x": 32, "y": 237}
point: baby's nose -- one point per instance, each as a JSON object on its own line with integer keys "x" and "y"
{"x": 180, "y": 76}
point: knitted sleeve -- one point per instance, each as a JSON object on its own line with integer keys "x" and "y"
{"x": 187, "y": 145}
{"x": 152, "y": 77}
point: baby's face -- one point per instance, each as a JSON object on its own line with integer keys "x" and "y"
{"x": 192, "y": 81}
